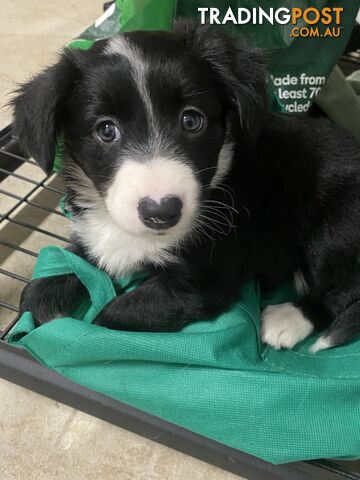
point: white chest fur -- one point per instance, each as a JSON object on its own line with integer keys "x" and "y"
{"x": 116, "y": 251}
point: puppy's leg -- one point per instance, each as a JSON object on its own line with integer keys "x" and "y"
{"x": 344, "y": 328}
{"x": 159, "y": 304}
{"x": 339, "y": 307}
{"x": 52, "y": 297}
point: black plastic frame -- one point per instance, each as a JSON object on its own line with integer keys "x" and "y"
{"x": 18, "y": 367}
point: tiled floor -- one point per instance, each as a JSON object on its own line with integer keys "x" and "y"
{"x": 41, "y": 439}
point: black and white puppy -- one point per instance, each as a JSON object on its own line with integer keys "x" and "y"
{"x": 174, "y": 165}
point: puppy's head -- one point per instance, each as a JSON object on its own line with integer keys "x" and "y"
{"x": 149, "y": 118}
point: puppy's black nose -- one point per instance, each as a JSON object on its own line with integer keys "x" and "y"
{"x": 160, "y": 216}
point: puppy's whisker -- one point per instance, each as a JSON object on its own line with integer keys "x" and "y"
{"x": 228, "y": 222}
{"x": 220, "y": 214}
{"x": 217, "y": 208}
{"x": 225, "y": 189}
{"x": 225, "y": 212}
{"x": 194, "y": 93}
{"x": 244, "y": 207}
{"x": 222, "y": 210}
{"x": 222, "y": 220}
{"x": 227, "y": 192}
{"x": 205, "y": 169}
{"x": 200, "y": 228}
{"x": 221, "y": 203}
{"x": 204, "y": 232}
{"x": 214, "y": 225}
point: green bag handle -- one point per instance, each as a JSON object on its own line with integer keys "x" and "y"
{"x": 54, "y": 261}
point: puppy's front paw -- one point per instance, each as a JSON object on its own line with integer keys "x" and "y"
{"x": 38, "y": 305}
{"x": 283, "y": 326}
{"x": 49, "y": 298}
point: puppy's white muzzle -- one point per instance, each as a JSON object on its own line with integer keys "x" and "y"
{"x": 153, "y": 196}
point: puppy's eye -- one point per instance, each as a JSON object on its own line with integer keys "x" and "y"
{"x": 107, "y": 131}
{"x": 192, "y": 121}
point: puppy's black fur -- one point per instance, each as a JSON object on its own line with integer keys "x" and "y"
{"x": 294, "y": 182}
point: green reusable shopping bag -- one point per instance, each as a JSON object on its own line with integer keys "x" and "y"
{"x": 298, "y": 66}
{"x": 214, "y": 378}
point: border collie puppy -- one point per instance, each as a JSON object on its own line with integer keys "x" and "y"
{"x": 173, "y": 165}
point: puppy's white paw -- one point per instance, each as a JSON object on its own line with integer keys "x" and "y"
{"x": 283, "y": 326}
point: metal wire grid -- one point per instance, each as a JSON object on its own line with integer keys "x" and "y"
{"x": 9, "y": 158}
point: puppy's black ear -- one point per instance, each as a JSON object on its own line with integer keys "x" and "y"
{"x": 239, "y": 69}
{"x": 39, "y": 107}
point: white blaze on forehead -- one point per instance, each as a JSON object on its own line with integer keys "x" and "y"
{"x": 139, "y": 68}
{"x": 121, "y": 45}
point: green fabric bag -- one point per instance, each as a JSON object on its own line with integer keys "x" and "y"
{"x": 214, "y": 378}
{"x": 307, "y": 60}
